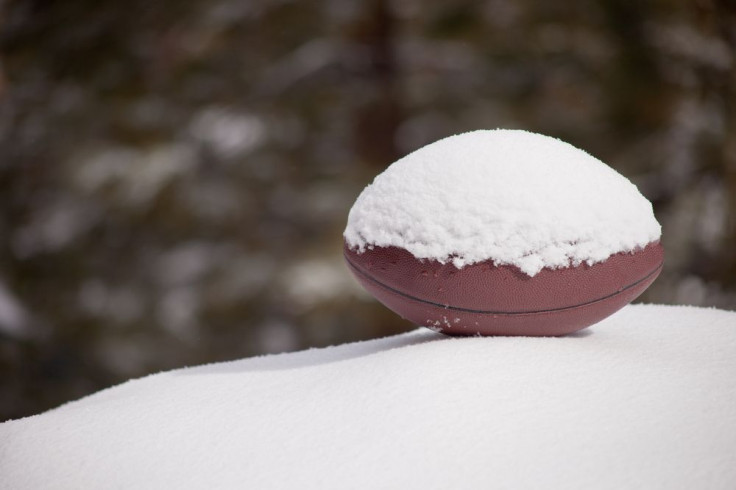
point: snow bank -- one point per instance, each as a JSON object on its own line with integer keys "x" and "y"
{"x": 511, "y": 196}
{"x": 644, "y": 399}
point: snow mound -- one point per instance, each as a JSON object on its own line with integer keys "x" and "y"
{"x": 644, "y": 399}
{"x": 514, "y": 197}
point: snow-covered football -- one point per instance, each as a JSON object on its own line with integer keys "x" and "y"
{"x": 503, "y": 232}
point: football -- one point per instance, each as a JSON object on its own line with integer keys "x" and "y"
{"x": 485, "y": 299}
{"x": 503, "y": 232}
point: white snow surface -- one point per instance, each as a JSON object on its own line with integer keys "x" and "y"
{"x": 511, "y": 196}
{"x": 644, "y": 399}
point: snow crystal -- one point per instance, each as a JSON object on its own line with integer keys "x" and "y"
{"x": 510, "y": 196}
{"x": 644, "y": 399}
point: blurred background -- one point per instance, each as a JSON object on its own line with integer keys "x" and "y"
{"x": 175, "y": 176}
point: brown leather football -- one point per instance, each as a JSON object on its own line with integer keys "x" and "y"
{"x": 485, "y": 299}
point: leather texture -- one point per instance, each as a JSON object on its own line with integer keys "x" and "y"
{"x": 487, "y": 299}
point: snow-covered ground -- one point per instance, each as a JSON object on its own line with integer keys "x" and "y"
{"x": 644, "y": 399}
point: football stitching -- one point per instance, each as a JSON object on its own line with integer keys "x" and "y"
{"x": 491, "y": 312}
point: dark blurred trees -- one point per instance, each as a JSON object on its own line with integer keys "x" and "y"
{"x": 175, "y": 176}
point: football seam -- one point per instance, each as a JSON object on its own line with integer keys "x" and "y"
{"x": 492, "y": 312}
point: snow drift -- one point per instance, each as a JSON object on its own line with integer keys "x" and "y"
{"x": 644, "y": 399}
